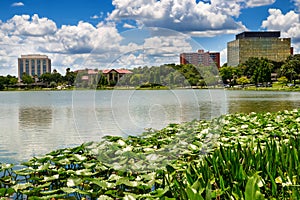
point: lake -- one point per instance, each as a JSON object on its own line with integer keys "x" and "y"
{"x": 37, "y": 122}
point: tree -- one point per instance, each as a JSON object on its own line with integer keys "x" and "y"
{"x": 259, "y": 69}
{"x": 46, "y": 78}
{"x": 135, "y": 80}
{"x": 283, "y": 80}
{"x": 56, "y": 77}
{"x": 291, "y": 68}
{"x": 157, "y": 78}
{"x": 171, "y": 79}
{"x": 227, "y": 73}
{"x": 27, "y": 79}
{"x": 2, "y": 82}
{"x": 243, "y": 81}
{"x": 11, "y": 80}
{"x": 70, "y": 77}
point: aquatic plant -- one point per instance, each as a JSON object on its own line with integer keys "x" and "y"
{"x": 236, "y": 156}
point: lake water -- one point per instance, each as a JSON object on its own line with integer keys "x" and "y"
{"x": 34, "y": 123}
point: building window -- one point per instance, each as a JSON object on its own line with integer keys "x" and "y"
{"x": 21, "y": 68}
{"x": 44, "y": 66}
{"x": 32, "y": 68}
{"x": 38, "y": 67}
{"x": 27, "y": 66}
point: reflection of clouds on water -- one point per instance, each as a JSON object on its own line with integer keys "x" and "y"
{"x": 136, "y": 110}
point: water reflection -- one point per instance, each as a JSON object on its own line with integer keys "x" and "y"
{"x": 34, "y": 123}
{"x": 35, "y": 118}
{"x": 263, "y": 101}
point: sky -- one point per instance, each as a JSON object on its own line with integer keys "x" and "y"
{"x": 129, "y": 33}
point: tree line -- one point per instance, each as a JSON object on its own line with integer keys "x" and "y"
{"x": 47, "y": 80}
{"x": 171, "y": 75}
{"x": 259, "y": 71}
{"x": 254, "y": 70}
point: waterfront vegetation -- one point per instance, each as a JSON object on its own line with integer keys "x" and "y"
{"x": 259, "y": 72}
{"x": 235, "y": 156}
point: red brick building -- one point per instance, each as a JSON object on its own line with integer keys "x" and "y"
{"x": 201, "y": 58}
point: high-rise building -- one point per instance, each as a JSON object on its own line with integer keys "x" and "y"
{"x": 33, "y": 65}
{"x": 201, "y": 58}
{"x": 267, "y": 44}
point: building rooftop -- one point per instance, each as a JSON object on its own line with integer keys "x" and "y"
{"x": 34, "y": 56}
{"x": 120, "y": 71}
{"x": 260, "y": 34}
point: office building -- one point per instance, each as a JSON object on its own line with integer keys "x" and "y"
{"x": 33, "y": 65}
{"x": 266, "y": 44}
{"x": 201, "y": 58}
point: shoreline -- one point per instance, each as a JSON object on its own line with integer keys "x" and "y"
{"x": 240, "y": 88}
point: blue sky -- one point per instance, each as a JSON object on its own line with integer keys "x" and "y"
{"x": 114, "y": 33}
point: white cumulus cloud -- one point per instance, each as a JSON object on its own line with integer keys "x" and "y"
{"x": 17, "y": 4}
{"x": 85, "y": 45}
{"x": 128, "y": 26}
{"x": 31, "y": 26}
{"x": 185, "y": 15}
{"x": 256, "y": 3}
{"x": 288, "y": 24}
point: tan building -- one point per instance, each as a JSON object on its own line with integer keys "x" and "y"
{"x": 33, "y": 65}
{"x": 266, "y": 44}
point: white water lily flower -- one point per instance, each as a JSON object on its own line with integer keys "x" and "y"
{"x": 278, "y": 119}
{"x": 254, "y": 119}
{"x": 260, "y": 183}
{"x": 152, "y": 157}
{"x": 205, "y": 131}
{"x": 192, "y": 147}
{"x": 254, "y": 131}
{"x": 148, "y": 149}
{"x": 70, "y": 183}
{"x": 244, "y": 118}
{"x": 284, "y": 130}
{"x": 244, "y": 126}
{"x": 269, "y": 128}
{"x": 128, "y": 148}
{"x": 121, "y": 142}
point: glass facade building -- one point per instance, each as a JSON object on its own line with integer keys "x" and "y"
{"x": 258, "y": 44}
{"x": 33, "y": 65}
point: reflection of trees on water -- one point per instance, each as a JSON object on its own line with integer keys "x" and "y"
{"x": 35, "y": 118}
{"x": 247, "y": 106}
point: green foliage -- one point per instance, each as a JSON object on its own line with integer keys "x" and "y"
{"x": 236, "y": 156}
{"x": 228, "y": 73}
{"x": 7, "y": 81}
{"x": 283, "y": 80}
{"x": 27, "y": 79}
{"x": 170, "y": 75}
{"x": 291, "y": 68}
{"x": 252, "y": 188}
{"x": 243, "y": 80}
{"x": 259, "y": 70}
